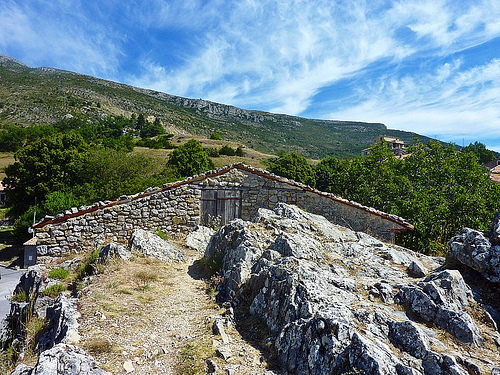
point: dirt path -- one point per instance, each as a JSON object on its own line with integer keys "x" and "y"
{"x": 157, "y": 318}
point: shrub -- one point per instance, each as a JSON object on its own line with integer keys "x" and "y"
{"x": 20, "y": 297}
{"x": 59, "y": 273}
{"x": 213, "y": 152}
{"x": 54, "y": 290}
{"x": 226, "y": 150}
{"x": 216, "y": 136}
{"x": 239, "y": 151}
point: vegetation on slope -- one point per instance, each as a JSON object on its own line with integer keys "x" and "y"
{"x": 43, "y": 96}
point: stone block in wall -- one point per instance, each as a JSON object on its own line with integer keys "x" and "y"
{"x": 41, "y": 249}
{"x": 176, "y": 220}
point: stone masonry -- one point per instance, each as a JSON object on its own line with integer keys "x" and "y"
{"x": 176, "y": 209}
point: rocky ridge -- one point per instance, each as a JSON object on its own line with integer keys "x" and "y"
{"x": 337, "y": 301}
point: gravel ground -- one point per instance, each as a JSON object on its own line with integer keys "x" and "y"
{"x": 149, "y": 317}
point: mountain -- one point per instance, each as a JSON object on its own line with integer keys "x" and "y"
{"x": 44, "y": 95}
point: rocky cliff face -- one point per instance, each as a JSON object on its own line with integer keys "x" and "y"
{"x": 337, "y": 301}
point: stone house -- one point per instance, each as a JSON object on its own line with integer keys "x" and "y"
{"x": 396, "y": 145}
{"x": 234, "y": 191}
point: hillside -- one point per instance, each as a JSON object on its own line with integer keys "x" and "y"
{"x": 44, "y": 95}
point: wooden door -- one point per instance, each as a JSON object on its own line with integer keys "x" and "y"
{"x": 223, "y": 205}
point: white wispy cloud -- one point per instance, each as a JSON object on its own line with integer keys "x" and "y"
{"x": 450, "y": 103}
{"x": 277, "y": 55}
{"x": 58, "y": 33}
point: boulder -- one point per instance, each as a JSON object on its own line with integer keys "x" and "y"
{"x": 113, "y": 250}
{"x": 152, "y": 245}
{"x": 64, "y": 359}
{"x": 473, "y": 249}
{"x": 441, "y": 299}
{"x": 416, "y": 269}
{"x": 199, "y": 238}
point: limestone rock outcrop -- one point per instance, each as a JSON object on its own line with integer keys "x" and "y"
{"x": 339, "y": 301}
{"x": 62, "y": 323}
{"x": 475, "y": 250}
{"x": 63, "y": 359}
{"x": 152, "y": 245}
{"x": 199, "y": 238}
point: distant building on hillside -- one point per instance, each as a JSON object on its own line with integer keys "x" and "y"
{"x": 396, "y": 145}
{"x": 494, "y": 167}
{"x": 3, "y": 195}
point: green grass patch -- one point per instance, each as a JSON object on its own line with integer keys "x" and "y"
{"x": 193, "y": 357}
{"x": 161, "y": 234}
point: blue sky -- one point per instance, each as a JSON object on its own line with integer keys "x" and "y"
{"x": 432, "y": 67}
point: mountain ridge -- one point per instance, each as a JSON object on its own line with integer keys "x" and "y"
{"x": 44, "y": 95}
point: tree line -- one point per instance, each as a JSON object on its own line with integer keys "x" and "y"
{"x": 116, "y": 132}
{"x": 436, "y": 188}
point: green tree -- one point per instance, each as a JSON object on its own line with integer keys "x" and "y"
{"x": 436, "y": 188}
{"x": 216, "y": 136}
{"x": 227, "y": 150}
{"x": 293, "y": 166}
{"x": 57, "y": 202}
{"x": 449, "y": 190}
{"x": 479, "y": 149}
{"x": 149, "y": 129}
{"x": 108, "y": 173}
{"x": 52, "y": 163}
{"x": 141, "y": 122}
{"x": 189, "y": 159}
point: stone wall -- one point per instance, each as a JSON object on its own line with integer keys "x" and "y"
{"x": 175, "y": 209}
{"x": 170, "y": 211}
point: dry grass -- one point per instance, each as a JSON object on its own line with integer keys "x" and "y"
{"x": 5, "y": 160}
{"x": 99, "y": 345}
{"x": 252, "y": 157}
